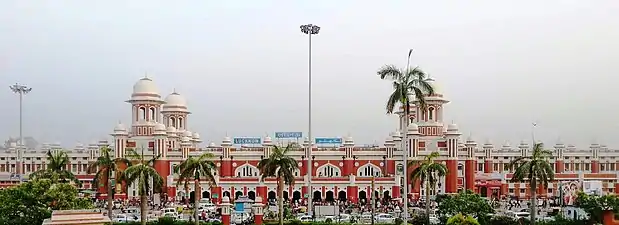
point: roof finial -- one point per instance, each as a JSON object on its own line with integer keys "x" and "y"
{"x": 145, "y": 74}
{"x": 174, "y": 91}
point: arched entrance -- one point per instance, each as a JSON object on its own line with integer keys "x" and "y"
{"x": 363, "y": 196}
{"x": 285, "y": 193}
{"x": 317, "y": 196}
{"x": 238, "y": 194}
{"x": 272, "y": 195}
{"x": 341, "y": 196}
{"x": 192, "y": 196}
{"x": 226, "y": 194}
{"x": 386, "y": 196}
{"x": 296, "y": 195}
{"x": 206, "y": 194}
{"x": 483, "y": 191}
{"x": 329, "y": 196}
{"x": 251, "y": 195}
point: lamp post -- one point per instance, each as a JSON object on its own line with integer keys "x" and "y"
{"x": 309, "y": 29}
{"x": 21, "y": 90}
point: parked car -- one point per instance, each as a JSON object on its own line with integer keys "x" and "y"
{"x": 385, "y": 218}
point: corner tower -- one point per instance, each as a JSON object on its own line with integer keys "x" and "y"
{"x": 146, "y": 105}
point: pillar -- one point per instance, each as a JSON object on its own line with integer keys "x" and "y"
{"x": 488, "y": 166}
{"x": 595, "y": 166}
{"x": 395, "y": 191}
{"x": 560, "y": 166}
{"x": 352, "y": 193}
{"x": 261, "y": 191}
{"x": 216, "y": 194}
{"x": 504, "y": 189}
{"x": 469, "y": 174}
{"x": 451, "y": 180}
{"x": 257, "y": 209}
{"x": 225, "y": 210}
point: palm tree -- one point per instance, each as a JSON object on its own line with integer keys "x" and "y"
{"x": 407, "y": 85}
{"x": 280, "y": 165}
{"x": 534, "y": 169}
{"x": 56, "y": 170}
{"x": 428, "y": 171}
{"x": 142, "y": 174}
{"x": 104, "y": 167}
{"x": 192, "y": 169}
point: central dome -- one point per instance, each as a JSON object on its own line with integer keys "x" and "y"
{"x": 145, "y": 86}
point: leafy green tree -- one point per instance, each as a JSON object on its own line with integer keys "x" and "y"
{"x": 460, "y": 219}
{"x": 105, "y": 168}
{"x": 32, "y": 202}
{"x": 56, "y": 170}
{"x": 145, "y": 177}
{"x": 194, "y": 169}
{"x": 408, "y": 85}
{"x": 466, "y": 203}
{"x": 282, "y": 166}
{"x": 596, "y": 205}
{"x": 536, "y": 170}
{"x": 428, "y": 171}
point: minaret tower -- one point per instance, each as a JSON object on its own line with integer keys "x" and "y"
{"x": 146, "y": 104}
{"x": 470, "y": 164}
{"x": 431, "y": 121}
{"x": 120, "y": 136}
{"x": 175, "y": 112}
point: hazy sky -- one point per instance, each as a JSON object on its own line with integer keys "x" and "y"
{"x": 242, "y": 65}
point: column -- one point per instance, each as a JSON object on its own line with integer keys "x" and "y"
{"x": 451, "y": 180}
{"x": 225, "y": 210}
{"x": 261, "y": 191}
{"x": 216, "y": 194}
{"x": 469, "y": 174}
{"x": 257, "y": 209}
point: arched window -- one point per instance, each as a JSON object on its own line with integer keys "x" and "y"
{"x": 246, "y": 170}
{"x": 152, "y": 114}
{"x": 180, "y": 123}
{"x": 142, "y": 113}
{"x": 369, "y": 170}
{"x": 328, "y": 170}
{"x": 431, "y": 113}
{"x": 173, "y": 122}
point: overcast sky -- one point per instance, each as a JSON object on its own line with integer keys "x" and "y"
{"x": 242, "y": 65}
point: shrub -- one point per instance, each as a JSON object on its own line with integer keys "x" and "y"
{"x": 460, "y": 219}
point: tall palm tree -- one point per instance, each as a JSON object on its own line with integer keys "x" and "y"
{"x": 105, "y": 167}
{"x": 534, "y": 169}
{"x": 428, "y": 171}
{"x": 142, "y": 174}
{"x": 408, "y": 84}
{"x": 280, "y": 165}
{"x": 56, "y": 170}
{"x": 193, "y": 169}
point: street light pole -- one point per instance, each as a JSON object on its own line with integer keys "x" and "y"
{"x": 21, "y": 90}
{"x": 309, "y": 29}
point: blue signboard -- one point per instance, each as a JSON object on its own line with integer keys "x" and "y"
{"x": 288, "y": 134}
{"x": 247, "y": 140}
{"x": 328, "y": 140}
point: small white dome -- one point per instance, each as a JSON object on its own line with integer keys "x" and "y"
{"x": 145, "y": 86}
{"x": 413, "y": 127}
{"x": 187, "y": 133}
{"x": 171, "y": 129}
{"x": 160, "y": 127}
{"x": 212, "y": 145}
{"x": 267, "y": 139}
{"x": 196, "y": 135}
{"x": 175, "y": 99}
{"x": 185, "y": 139}
{"x": 452, "y": 127}
{"x": 120, "y": 127}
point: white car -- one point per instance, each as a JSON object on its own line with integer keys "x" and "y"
{"x": 209, "y": 207}
{"x": 305, "y": 218}
{"x": 385, "y": 218}
{"x": 173, "y": 215}
{"x": 124, "y": 218}
{"x": 343, "y": 218}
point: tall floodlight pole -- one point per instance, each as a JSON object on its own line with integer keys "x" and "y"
{"x": 21, "y": 90}
{"x": 405, "y": 144}
{"x": 309, "y": 29}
